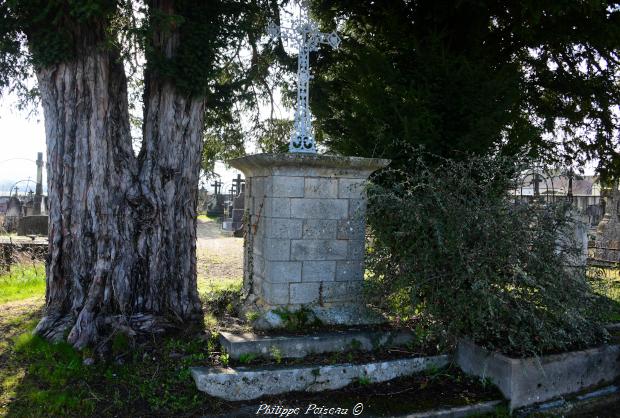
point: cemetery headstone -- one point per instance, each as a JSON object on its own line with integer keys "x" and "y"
{"x": 13, "y": 213}
{"x": 216, "y": 203}
{"x": 303, "y": 250}
{"x": 306, "y": 232}
{"x": 238, "y": 211}
{"x": 573, "y": 239}
{"x": 608, "y": 231}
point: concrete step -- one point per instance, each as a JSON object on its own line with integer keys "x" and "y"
{"x": 246, "y": 383}
{"x": 293, "y": 346}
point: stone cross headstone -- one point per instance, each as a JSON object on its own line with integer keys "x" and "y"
{"x": 305, "y": 236}
{"x": 307, "y": 37}
{"x": 238, "y": 204}
{"x": 217, "y": 186}
{"x": 229, "y": 202}
{"x": 237, "y": 182}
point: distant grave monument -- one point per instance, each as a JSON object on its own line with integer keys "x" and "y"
{"x": 573, "y": 239}
{"x": 27, "y": 215}
{"x": 238, "y": 206}
{"x": 38, "y": 196}
{"x": 216, "y": 203}
{"x": 608, "y": 231}
{"x": 32, "y": 225}
{"x": 235, "y": 207}
{"x": 13, "y": 213}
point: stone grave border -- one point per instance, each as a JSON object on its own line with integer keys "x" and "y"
{"x": 528, "y": 381}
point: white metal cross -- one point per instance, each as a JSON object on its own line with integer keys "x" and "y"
{"x": 305, "y": 33}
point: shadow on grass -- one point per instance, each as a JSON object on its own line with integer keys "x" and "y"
{"x": 606, "y": 284}
{"x": 609, "y": 309}
{"x": 146, "y": 378}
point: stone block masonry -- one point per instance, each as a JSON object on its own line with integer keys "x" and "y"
{"x": 305, "y": 237}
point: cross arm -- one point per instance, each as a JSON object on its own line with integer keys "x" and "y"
{"x": 332, "y": 39}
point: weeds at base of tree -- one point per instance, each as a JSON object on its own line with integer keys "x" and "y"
{"x": 56, "y": 381}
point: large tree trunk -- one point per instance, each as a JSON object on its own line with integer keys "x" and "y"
{"x": 122, "y": 229}
{"x": 169, "y": 182}
{"x": 169, "y": 173}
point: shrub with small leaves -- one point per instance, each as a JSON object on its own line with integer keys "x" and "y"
{"x": 453, "y": 247}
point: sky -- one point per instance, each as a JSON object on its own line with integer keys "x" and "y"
{"x": 22, "y": 136}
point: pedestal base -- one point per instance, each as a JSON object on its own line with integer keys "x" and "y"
{"x": 271, "y": 318}
{"x": 305, "y": 237}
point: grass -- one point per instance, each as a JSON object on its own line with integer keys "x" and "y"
{"x": 219, "y": 297}
{"x": 606, "y": 283}
{"x": 39, "y": 378}
{"x": 45, "y": 379}
{"x": 207, "y": 218}
{"x": 22, "y": 282}
{"x": 218, "y": 286}
{"x": 150, "y": 378}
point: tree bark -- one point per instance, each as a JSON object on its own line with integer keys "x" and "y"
{"x": 122, "y": 229}
{"x": 169, "y": 174}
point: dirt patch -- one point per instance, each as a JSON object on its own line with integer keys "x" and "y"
{"x": 441, "y": 388}
{"x": 14, "y": 317}
{"x": 14, "y": 314}
{"x": 220, "y": 256}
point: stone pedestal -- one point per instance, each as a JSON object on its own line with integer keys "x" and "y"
{"x": 305, "y": 235}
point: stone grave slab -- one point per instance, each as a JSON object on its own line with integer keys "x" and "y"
{"x": 245, "y": 383}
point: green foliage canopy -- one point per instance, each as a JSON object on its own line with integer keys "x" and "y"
{"x": 210, "y": 40}
{"x": 535, "y": 77}
{"x": 474, "y": 75}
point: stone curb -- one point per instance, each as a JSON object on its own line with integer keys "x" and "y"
{"x": 528, "y": 381}
{"x": 561, "y": 406}
{"x": 457, "y": 412}
{"x": 613, "y": 327}
{"x": 246, "y": 383}
{"x": 296, "y": 346}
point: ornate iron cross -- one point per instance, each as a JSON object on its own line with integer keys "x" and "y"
{"x": 305, "y": 33}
